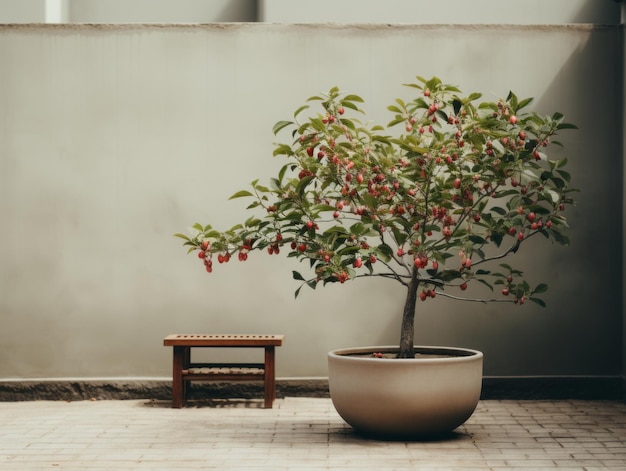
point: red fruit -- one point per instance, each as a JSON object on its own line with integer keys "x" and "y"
{"x": 336, "y": 214}
{"x": 320, "y": 155}
{"x": 310, "y": 151}
{"x": 463, "y": 286}
{"x": 457, "y": 183}
{"x": 522, "y": 135}
{"x": 340, "y": 110}
{"x": 512, "y": 231}
{"x": 427, "y": 92}
{"x": 202, "y": 254}
{"x": 400, "y": 252}
{"x": 310, "y": 225}
{"x": 423, "y": 295}
{"x": 467, "y": 263}
{"x": 372, "y": 258}
{"x": 359, "y": 177}
{"x": 204, "y": 245}
{"x": 513, "y": 119}
{"x": 548, "y": 224}
{"x": 505, "y": 291}
{"x": 293, "y": 245}
{"x": 302, "y": 247}
{"x": 358, "y": 263}
{"x": 435, "y": 265}
{"x": 520, "y": 236}
{"x": 531, "y": 217}
{"x": 431, "y": 293}
{"x": 409, "y": 128}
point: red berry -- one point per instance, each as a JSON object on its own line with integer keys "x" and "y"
{"x": 302, "y": 247}
{"x": 423, "y": 295}
{"x": 520, "y": 236}
{"x": 204, "y": 245}
{"x": 310, "y": 151}
{"x": 340, "y": 110}
{"x": 372, "y": 258}
{"x": 457, "y": 183}
{"x": 513, "y": 119}
{"x": 202, "y": 254}
{"x": 463, "y": 286}
{"x": 358, "y": 263}
{"x": 505, "y": 291}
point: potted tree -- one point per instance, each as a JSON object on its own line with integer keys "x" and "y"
{"x": 436, "y": 207}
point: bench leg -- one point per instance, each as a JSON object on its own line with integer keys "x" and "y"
{"x": 179, "y": 386}
{"x": 270, "y": 377}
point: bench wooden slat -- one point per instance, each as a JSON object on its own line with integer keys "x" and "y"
{"x": 223, "y": 371}
{"x": 222, "y": 340}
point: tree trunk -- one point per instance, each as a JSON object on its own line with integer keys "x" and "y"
{"x": 407, "y": 332}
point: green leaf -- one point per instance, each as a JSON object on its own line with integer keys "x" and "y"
{"x": 499, "y": 210}
{"x": 566, "y": 126}
{"x": 241, "y": 194}
{"x": 538, "y": 301}
{"x": 356, "y": 98}
{"x": 525, "y": 102}
{"x": 456, "y": 104}
{"x": 302, "y": 184}
{"x": 182, "y": 236}
{"x": 299, "y": 110}
{"x": 297, "y": 276}
{"x": 541, "y": 288}
{"x": 280, "y": 125}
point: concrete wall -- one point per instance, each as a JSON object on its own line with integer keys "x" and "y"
{"x": 114, "y": 138}
{"x": 323, "y": 11}
{"x": 442, "y": 11}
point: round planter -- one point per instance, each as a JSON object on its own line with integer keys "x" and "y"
{"x": 400, "y": 398}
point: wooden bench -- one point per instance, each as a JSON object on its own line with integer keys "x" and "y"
{"x": 185, "y": 371}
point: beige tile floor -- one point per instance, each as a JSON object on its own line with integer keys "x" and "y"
{"x": 302, "y": 434}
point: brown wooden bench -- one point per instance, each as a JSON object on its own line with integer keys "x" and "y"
{"x": 185, "y": 371}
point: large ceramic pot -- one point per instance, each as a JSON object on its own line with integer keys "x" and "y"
{"x": 399, "y": 398}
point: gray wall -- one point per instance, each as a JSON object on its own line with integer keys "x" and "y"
{"x": 114, "y": 138}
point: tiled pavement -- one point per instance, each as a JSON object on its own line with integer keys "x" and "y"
{"x": 302, "y": 434}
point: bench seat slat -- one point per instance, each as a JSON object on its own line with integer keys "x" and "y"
{"x": 223, "y": 340}
{"x": 224, "y": 371}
